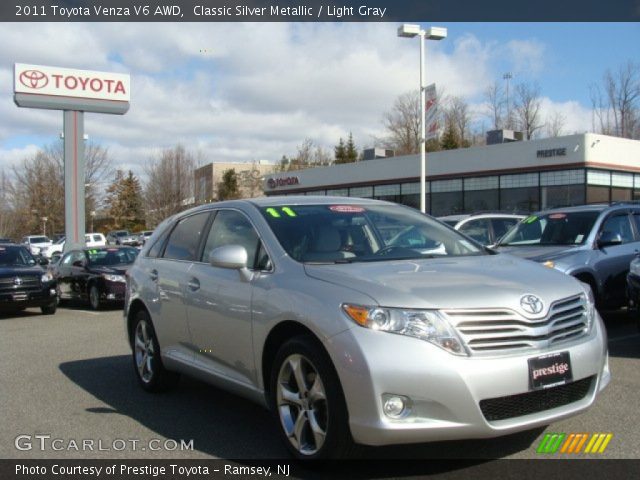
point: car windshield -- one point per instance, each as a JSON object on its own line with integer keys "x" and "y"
{"x": 556, "y": 228}
{"x": 38, "y": 240}
{"x": 122, "y": 233}
{"x": 363, "y": 233}
{"x": 60, "y": 241}
{"x": 15, "y": 256}
{"x": 112, "y": 256}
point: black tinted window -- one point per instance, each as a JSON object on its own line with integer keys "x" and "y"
{"x": 478, "y": 230}
{"x": 619, "y": 224}
{"x": 185, "y": 237}
{"x": 502, "y": 226}
{"x": 232, "y": 228}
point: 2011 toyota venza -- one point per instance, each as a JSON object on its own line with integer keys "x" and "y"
{"x": 361, "y": 322}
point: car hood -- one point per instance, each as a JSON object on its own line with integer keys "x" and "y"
{"x": 112, "y": 270}
{"x": 16, "y": 271}
{"x": 539, "y": 253}
{"x": 488, "y": 281}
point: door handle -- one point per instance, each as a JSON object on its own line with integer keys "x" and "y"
{"x": 194, "y": 284}
{"x": 153, "y": 275}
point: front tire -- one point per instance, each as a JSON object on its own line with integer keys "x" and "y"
{"x": 307, "y": 401}
{"x": 94, "y": 297}
{"x": 49, "y": 309}
{"x": 150, "y": 372}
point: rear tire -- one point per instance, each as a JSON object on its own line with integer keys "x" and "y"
{"x": 49, "y": 309}
{"x": 147, "y": 361}
{"x": 307, "y": 402}
{"x": 94, "y": 297}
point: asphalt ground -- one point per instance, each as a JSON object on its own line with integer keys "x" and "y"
{"x": 70, "y": 377}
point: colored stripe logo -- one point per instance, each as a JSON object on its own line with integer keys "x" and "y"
{"x": 574, "y": 443}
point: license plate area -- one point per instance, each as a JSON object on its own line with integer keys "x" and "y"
{"x": 549, "y": 370}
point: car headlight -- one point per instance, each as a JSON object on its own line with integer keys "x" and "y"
{"x": 549, "y": 264}
{"x": 114, "y": 278}
{"x": 634, "y": 268}
{"x": 590, "y": 306}
{"x": 46, "y": 277}
{"x": 428, "y": 325}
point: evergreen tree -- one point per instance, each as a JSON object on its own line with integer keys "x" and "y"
{"x": 351, "y": 152}
{"x": 124, "y": 200}
{"x": 228, "y": 188}
{"x": 340, "y": 152}
{"x": 450, "y": 138}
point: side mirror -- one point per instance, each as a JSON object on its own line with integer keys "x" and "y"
{"x": 43, "y": 261}
{"x": 229, "y": 256}
{"x": 78, "y": 263}
{"x": 608, "y": 239}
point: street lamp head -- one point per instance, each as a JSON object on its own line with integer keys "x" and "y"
{"x": 408, "y": 30}
{"x": 436, "y": 33}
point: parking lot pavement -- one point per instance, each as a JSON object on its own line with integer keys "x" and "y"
{"x": 69, "y": 376}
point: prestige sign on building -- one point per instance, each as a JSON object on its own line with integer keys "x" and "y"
{"x": 71, "y": 83}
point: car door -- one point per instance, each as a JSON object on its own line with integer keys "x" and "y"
{"x": 169, "y": 271}
{"x": 613, "y": 261}
{"x": 219, "y": 302}
{"x": 64, "y": 274}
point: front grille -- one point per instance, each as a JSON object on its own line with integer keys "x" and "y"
{"x": 499, "y": 331}
{"x": 513, "y": 406}
{"x": 25, "y": 283}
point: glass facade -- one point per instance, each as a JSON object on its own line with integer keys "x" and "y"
{"x": 523, "y": 192}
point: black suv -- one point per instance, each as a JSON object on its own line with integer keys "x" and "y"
{"x": 23, "y": 282}
{"x": 594, "y": 243}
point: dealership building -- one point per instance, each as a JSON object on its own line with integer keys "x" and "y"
{"x": 519, "y": 176}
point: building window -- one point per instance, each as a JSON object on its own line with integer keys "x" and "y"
{"x": 362, "y": 192}
{"x": 596, "y": 177}
{"x": 624, "y": 180}
{"x": 413, "y": 200}
{"x": 621, "y": 194}
{"x": 597, "y": 194}
{"x": 338, "y": 192}
{"x": 481, "y": 183}
{"x": 479, "y": 200}
{"x": 519, "y": 199}
{"x": 407, "y": 188}
{"x": 316, "y": 192}
{"x": 446, "y": 203}
{"x": 562, "y": 196}
{"x": 521, "y": 180}
{"x": 386, "y": 190}
{"x": 563, "y": 177}
{"x": 441, "y": 186}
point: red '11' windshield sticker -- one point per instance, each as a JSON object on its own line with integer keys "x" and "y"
{"x": 346, "y": 209}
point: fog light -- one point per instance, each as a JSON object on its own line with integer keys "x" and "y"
{"x": 111, "y": 296}
{"x": 52, "y": 292}
{"x": 395, "y": 406}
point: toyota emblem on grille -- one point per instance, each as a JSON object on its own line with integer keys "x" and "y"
{"x": 17, "y": 281}
{"x": 34, "y": 79}
{"x": 531, "y": 304}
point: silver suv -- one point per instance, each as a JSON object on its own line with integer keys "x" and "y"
{"x": 360, "y": 321}
{"x": 594, "y": 243}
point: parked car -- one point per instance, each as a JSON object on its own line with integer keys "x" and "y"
{"x": 5, "y": 240}
{"x": 122, "y": 237}
{"x": 144, "y": 236}
{"x": 95, "y": 275}
{"x": 484, "y": 228}
{"x": 633, "y": 288}
{"x": 304, "y": 305}
{"x": 36, "y": 243}
{"x": 594, "y": 243}
{"x": 90, "y": 240}
{"x": 23, "y": 282}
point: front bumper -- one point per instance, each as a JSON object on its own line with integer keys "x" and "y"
{"x": 113, "y": 292}
{"x": 633, "y": 291}
{"x": 446, "y": 390}
{"x": 17, "y": 299}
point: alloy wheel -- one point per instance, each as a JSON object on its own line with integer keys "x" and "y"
{"x": 144, "y": 351}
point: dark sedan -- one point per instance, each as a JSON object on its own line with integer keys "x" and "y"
{"x": 96, "y": 275}
{"x": 23, "y": 282}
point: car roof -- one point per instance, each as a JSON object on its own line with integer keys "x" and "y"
{"x": 313, "y": 200}
{"x": 594, "y": 207}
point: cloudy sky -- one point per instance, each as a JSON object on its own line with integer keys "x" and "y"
{"x": 243, "y": 92}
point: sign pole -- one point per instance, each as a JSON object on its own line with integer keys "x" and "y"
{"x": 74, "y": 167}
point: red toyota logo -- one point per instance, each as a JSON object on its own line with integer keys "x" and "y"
{"x": 34, "y": 79}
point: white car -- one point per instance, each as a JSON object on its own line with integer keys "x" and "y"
{"x": 485, "y": 228}
{"x": 36, "y": 243}
{"x": 90, "y": 240}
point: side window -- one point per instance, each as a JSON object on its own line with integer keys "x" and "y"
{"x": 185, "y": 237}
{"x": 155, "y": 249}
{"x": 619, "y": 224}
{"x": 67, "y": 259}
{"x": 478, "y": 230}
{"x": 636, "y": 219}
{"x": 232, "y": 228}
{"x": 502, "y": 226}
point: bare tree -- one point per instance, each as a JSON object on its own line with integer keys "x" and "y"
{"x": 458, "y": 113}
{"x": 555, "y": 124}
{"x": 616, "y": 104}
{"x": 403, "y": 124}
{"x": 494, "y": 95}
{"x": 170, "y": 183}
{"x": 308, "y": 155}
{"x": 527, "y": 108}
{"x": 7, "y": 213}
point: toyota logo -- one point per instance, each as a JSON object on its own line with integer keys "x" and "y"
{"x": 531, "y": 304}
{"x": 17, "y": 281}
{"x": 34, "y": 79}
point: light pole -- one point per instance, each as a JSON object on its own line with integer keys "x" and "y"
{"x": 507, "y": 76}
{"x": 432, "y": 33}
